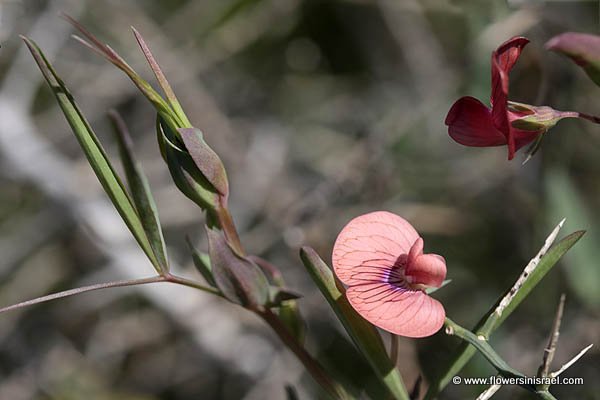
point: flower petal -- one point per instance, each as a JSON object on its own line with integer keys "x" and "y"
{"x": 370, "y": 245}
{"x": 400, "y": 311}
{"x": 415, "y": 251}
{"x": 470, "y": 123}
{"x": 503, "y": 60}
{"x": 427, "y": 269}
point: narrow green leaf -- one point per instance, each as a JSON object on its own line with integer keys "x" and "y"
{"x": 202, "y": 263}
{"x": 110, "y": 55}
{"x": 364, "y": 335}
{"x": 93, "y": 150}
{"x": 207, "y": 161}
{"x": 240, "y": 280}
{"x": 492, "y": 320}
{"x": 140, "y": 190}
{"x": 162, "y": 79}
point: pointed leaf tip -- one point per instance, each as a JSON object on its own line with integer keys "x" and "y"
{"x": 93, "y": 150}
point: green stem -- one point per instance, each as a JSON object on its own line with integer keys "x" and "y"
{"x": 114, "y": 284}
{"x": 333, "y": 389}
{"x": 481, "y": 344}
{"x": 84, "y": 289}
{"x": 193, "y": 284}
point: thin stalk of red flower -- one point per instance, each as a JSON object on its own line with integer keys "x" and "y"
{"x": 589, "y": 117}
{"x": 312, "y": 366}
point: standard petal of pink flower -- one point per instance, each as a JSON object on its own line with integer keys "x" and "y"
{"x": 380, "y": 257}
{"x": 370, "y": 245}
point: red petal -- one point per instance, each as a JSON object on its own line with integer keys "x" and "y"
{"x": 503, "y": 60}
{"x": 370, "y": 245}
{"x": 397, "y": 310}
{"x": 523, "y": 138}
{"x": 508, "y": 52}
{"x": 470, "y": 123}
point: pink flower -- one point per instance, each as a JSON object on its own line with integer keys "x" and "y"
{"x": 379, "y": 256}
{"x": 471, "y": 123}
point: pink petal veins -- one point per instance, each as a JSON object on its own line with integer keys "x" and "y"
{"x": 370, "y": 245}
{"x": 400, "y": 311}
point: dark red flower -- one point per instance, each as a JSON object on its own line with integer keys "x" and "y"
{"x": 472, "y": 123}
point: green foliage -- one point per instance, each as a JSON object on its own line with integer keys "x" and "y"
{"x": 95, "y": 154}
{"x": 505, "y": 305}
{"x": 141, "y": 194}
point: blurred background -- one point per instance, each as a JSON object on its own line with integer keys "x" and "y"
{"x": 321, "y": 110}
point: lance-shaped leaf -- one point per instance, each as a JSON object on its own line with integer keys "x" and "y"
{"x": 240, "y": 280}
{"x": 582, "y": 48}
{"x": 207, "y": 161}
{"x": 364, "y": 335}
{"x": 94, "y": 152}
{"x": 202, "y": 263}
{"x": 141, "y": 194}
{"x": 161, "y": 78}
{"x": 104, "y": 50}
{"x": 184, "y": 172}
{"x": 506, "y": 304}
